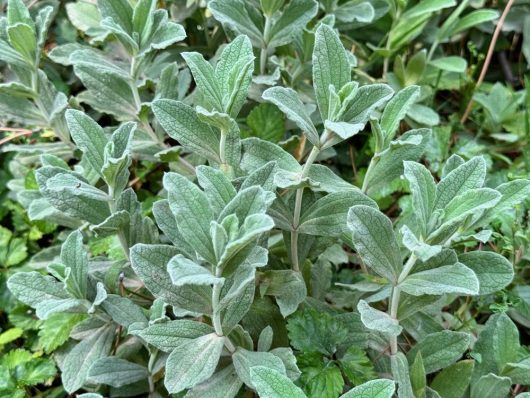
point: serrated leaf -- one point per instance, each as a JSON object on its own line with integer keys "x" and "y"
{"x": 272, "y": 384}
{"x": 374, "y": 240}
{"x": 193, "y": 362}
{"x": 267, "y": 122}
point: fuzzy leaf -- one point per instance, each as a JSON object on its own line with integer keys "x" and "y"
{"x": 494, "y": 272}
{"x": 116, "y": 372}
{"x": 270, "y": 383}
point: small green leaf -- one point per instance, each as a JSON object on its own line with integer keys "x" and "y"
{"x": 450, "y": 64}
{"x": 380, "y": 388}
{"x": 377, "y": 320}
{"x": 453, "y": 381}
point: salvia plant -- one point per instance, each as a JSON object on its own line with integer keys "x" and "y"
{"x": 223, "y": 284}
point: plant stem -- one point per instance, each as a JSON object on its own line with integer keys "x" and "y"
{"x": 394, "y": 301}
{"x": 298, "y": 208}
{"x": 216, "y": 317}
{"x": 487, "y": 61}
{"x": 264, "y": 49}
{"x": 150, "y": 365}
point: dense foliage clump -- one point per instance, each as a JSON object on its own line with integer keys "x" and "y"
{"x": 270, "y": 198}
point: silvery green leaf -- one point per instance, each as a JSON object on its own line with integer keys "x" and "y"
{"x": 452, "y": 163}
{"x": 193, "y": 362}
{"x": 289, "y": 103}
{"x": 491, "y": 386}
{"x": 252, "y": 200}
{"x": 518, "y": 372}
{"x": 108, "y": 92}
{"x": 22, "y": 39}
{"x": 419, "y": 248}
{"x": 167, "y": 336}
{"x": 257, "y": 153}
{"x": 423, "y": 189}
{"x": 118, "y": 10}
{"x": 10, "y": 56}
{"x": 366, "y": 100}
{"x": 467, "y": 204}
{"x": 265, "y": 339}
{"x": 292, "y": 20}
{"x": 190, "y": 206}
{"x": 245, "y": 360}
{"x": 453, "y": 381}
{"x": 75, "y": 258}
{"x": 262, "y": 176}
{"x": 374, "y": 240}
{"x": 287, "y": 287}
{"x": 493, "y": 271}
{"x": 445, "y": 257}
{"x": 423, "y": 115}
{"x": 117, "y": 160}
{"x": 450, "y": 64}
{"x": 207, "y": 84}
{"x": 513, "y": 193}
{"x": 253, "y": 227}
{"x": 234, "y": 73}
{"x": 289, "y": 361}
{"x": 149, "y": 263}
{"x": 326, "y": 180}
{"x": 234, "y": 13}
{"x": 396, "y": 109}
{"x": 17, "y": 12}
{"x": 90, "y": 395}
{"x": 330, "y": 68}
{"x": 48, "y": 307}
{"x": 389, "y": 163}
{"x": 181, "y": 123}
{"x": 123, "y": 311}
{"x": 91, "y": 58}
{"x": 173, "y": 84}
{"x": 380, "y": 388}
{"x": 164, "y": 33}
{"x": 351, "y": 11}
{"x": 21, "y": 110}
{"x": 116, "y": 372}
{"x": 224, "y": 383}
{"x": 185, "y": 272}
{"x": 327, "y": 216}
{"x": 81, "y": 357}
{"x": 400, "y": 373}
{"x": 217, "y": 187}
{"x": 469, "y": 175}
{"x": 270, "y": 383}
{"x": 441, "y": 349}
{"x": 220, "y": 120}
{"x": 377, "y": 320}
{"x": 142, "y": 17}
{"x": 455, "y": 278}
{"x": 101, "y": 295}
{"x": 130, "y": 45}
{"x": 287, "y": 179}
{"x": 236, "y": 296}
{"x": 32, "y": 288}
{"x": 342, "y": 129}
{"x": 168, "y": 224}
